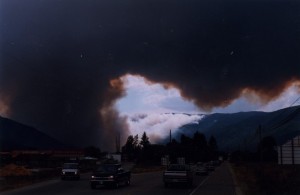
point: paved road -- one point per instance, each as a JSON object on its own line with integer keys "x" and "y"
{"x": 220, "y": 182}
{"x": 146, "y": 183}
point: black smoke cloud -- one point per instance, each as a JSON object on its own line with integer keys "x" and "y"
{"x": 61, "y": 59}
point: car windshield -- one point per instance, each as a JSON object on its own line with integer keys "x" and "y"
{"x": 177, "y": 168}
{"x": 107, "y": 168}
{"x": 70, "y": 166}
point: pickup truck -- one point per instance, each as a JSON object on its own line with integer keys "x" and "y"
{"x": 110, "y": 175}
{"x": 70, "y": 171}
{"x": 178, "y": 173}
{"x": 201, "y": 169}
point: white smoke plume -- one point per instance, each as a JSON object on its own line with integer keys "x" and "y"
{"x": 158, "y": 126}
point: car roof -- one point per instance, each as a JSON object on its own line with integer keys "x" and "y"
{"x": 71, "y": 163}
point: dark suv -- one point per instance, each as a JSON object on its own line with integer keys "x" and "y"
{"x": 110, "y": 175}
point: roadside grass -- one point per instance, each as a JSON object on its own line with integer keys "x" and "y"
{"x": 139, "y": 168}
{"x": 267, "y": 178}
{"x": 13, "y": 176}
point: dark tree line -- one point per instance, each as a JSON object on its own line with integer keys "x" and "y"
{"x": 265, "y": 152}
{"x": 193, "y": 149}
{"x": 135, "y": 149}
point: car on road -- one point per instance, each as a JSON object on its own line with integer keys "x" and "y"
{"x": 201, "y": 169}
{"x": 178, "y": 173}
{"x": 110, "y": 175}
{"x": 210, "y": 166}
{"x": 70, "y": 171}
{"x": 216, "y": 163}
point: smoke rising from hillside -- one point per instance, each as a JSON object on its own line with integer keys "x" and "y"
{"x": 158, "y": 126}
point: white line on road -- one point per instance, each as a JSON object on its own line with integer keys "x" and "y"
{"x": 202, "y": 183}
{"x": 199, "y": 186}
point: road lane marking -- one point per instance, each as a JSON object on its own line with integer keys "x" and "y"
{"x": 203, "y": 182}
{"x": 199, "y": 186}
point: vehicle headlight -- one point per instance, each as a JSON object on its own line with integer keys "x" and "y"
{"x": 111, "y": 177}
{"x": 63, "y": 172}
{"x": 75, "y": 173}
{"x": 92, "y": 176}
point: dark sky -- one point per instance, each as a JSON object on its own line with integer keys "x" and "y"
{"x": 61, "y": 59}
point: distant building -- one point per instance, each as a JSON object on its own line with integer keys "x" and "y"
{"x": 71, "y": 154}
{"x": 40, "y": 158}
{"x": 116, "y": 157}
{"x": 165, "y": 160}
{"x": 53, "y": 153}
{"x": 181, "y": 161}
{"x": 289, "y": 153}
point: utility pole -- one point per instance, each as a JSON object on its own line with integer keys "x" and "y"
{"x": 245, "y": 145}
{"x": 170, "y": 136}
{"x": 260, "y": 144}
{"x": 260, "y": 152}
{"x": 118, "y": 144}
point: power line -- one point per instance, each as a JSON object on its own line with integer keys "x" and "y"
{"x": 282, "y": 122}
{"x": 295, "y": 101}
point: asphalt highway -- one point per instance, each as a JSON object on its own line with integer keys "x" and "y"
{"x": 141, "y": 184}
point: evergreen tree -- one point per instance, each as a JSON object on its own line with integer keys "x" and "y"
{"x": 199, "y": 140}
{"x": 186, "y": 147}
{"x": 185, "y": 140}
{"x": 267, "y": 149}
{"x": 212, "y": 143}
{"x": 174, "y": 142}
{"x": 129, "y": 143}
{"x": 136, "y": 141}
{"x": 213, "y": 148}
{"x": 145, "y": 149}
{"x": 144, "y": 140}
{"x": 199, "y": 147}
{"x": 92, "y": 151}
{"x": 128, "y": 148}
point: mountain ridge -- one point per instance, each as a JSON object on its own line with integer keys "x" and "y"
{"x": 17, "y": 136}
{"x": 235, "y": 131}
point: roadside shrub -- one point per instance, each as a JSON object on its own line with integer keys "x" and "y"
{"x": 268, "y": 178}
{"x": 14, "y": 170}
